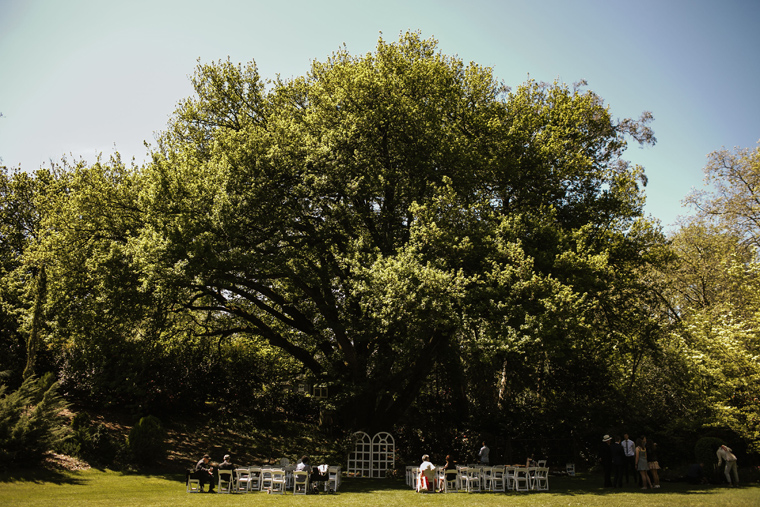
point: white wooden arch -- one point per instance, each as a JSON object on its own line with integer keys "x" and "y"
{"x": 360, "y": 459}
{"x": 383, "y": 454}
{"x": 371, "y": 456}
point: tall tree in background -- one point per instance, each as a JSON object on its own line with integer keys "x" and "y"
{"x": 715, "y": 286}
{"x": 367, "y": 217}
{"x": 23, "y": 200}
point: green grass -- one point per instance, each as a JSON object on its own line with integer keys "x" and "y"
{"x": 107, "y": 488}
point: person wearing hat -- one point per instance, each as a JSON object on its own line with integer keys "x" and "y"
{"x": 618, "y": 462}
{"x": 606, "y": 457}
{"x": 205, "y": 473}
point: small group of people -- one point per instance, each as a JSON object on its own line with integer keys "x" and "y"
{"x": 621, "y": 457}
{"x": 426, "y": 480}
{"x": 317, "y": 474}
{"x": 696, "y": 472}
{"x": 208, "y": 473}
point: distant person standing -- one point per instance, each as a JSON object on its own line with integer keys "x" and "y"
{"x": 618, "y": 462}
{"x": 654, "y": 464}
{"x": 724, "y": 454}
{"x": 483, "y": 454}
{"x": 642, "y": 465}
{"x": 605, "y": 454}
{"x": 630, "y": 459}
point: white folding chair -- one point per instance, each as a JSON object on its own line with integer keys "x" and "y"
{"x": 289, "y": 469}
{"x": 193, "y": 485}
{"x": 266, "y": 478}
{"x": 498, "y": 479}
{"x": 485, "y": 476}
{"x": 451, "y": 481}
{"x": 522, "y": 481}
{"x": 333, "y": 478}
{"x": 225, "y": 481}
{"x": 541, "y": 480}
{"x": 300, "y": 482}
{"x": 255, "y": 479}
{"x": 278, "y": 480}
{"x": 532, "y": 477}
{"x": 242, "y": 480}
{"x": 474, "y": 479}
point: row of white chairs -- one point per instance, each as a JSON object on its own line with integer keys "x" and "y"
{"x": 275, "y": 480}
{"x": 476, "y": 478}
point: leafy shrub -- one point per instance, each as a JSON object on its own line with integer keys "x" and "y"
{"x": 92, "y": 443}
{"x": 145, "y": 444}
{"x": 704, "y": 451}
{"x": 31, "y": 420}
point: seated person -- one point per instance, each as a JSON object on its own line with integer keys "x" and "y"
{"x": 205, "y": 473}
{"x": 695, "y": 474}
{"x": 227, "y": 465}
{"x": 303, "y": 465}
{"x": 426, "y": 481}
{"x": 450, "y": 465}
{"x": 319, "y": 474}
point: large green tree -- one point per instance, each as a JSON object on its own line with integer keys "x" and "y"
{"x": 371, "y": 217}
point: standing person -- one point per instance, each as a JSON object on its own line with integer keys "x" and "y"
{"x": 483, "y": 454}
{"x": 630, "y": 462}
{"x": 606, "y": 456}
{"x": 724, "y": 454}
{"x": 205, "y": 473}
{"x": 618, "y": 462}
{"x": 654, "y": 464}
{"x": 641, "y": 462}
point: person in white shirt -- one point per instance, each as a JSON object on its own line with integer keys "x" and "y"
{"x": 724, "y": 454}
{"x": 629, "y": 448}
{"x": 483, "y": 454}
{"x": 426, "y": 480}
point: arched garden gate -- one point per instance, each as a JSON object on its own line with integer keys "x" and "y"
{"x": 372, "y": 456}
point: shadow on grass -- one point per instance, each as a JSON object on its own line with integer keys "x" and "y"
{"x": 41, "y": 476}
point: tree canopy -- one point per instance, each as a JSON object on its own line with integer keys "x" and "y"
{"x": 399, "y": 226}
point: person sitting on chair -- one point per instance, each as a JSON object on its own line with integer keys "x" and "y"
{"x": 227, "y": 465}
{"x": 450, "y": 465}
{"x": 426, "y": 481}
{"x": 205, "y": 473}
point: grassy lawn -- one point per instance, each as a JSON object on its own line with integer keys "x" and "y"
{"x": 107, "y": 488}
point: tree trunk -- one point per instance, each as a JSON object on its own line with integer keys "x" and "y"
{"x": 33, "y": 343}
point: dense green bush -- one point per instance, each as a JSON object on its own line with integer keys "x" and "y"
{"x": 146, "y": 441}
{"x": 704, "y": 451}
{"x": 92, "y": 443}
{"x": 31, "y": 420}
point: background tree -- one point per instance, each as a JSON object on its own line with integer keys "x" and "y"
{"x": 366, "y": 217}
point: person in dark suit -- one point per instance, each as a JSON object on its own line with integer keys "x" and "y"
{"x": 618, "y": 462}
{"x": 606, "y": 456}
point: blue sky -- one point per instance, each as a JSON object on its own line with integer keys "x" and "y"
{"x": 81, "y": 77}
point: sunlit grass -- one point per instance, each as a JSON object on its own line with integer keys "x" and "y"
{"x": 107, "y": 488}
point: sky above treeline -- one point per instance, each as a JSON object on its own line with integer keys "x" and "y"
{"x": 80, "y": 78}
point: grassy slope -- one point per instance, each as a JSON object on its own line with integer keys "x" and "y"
{"x": 107, "y": 488}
